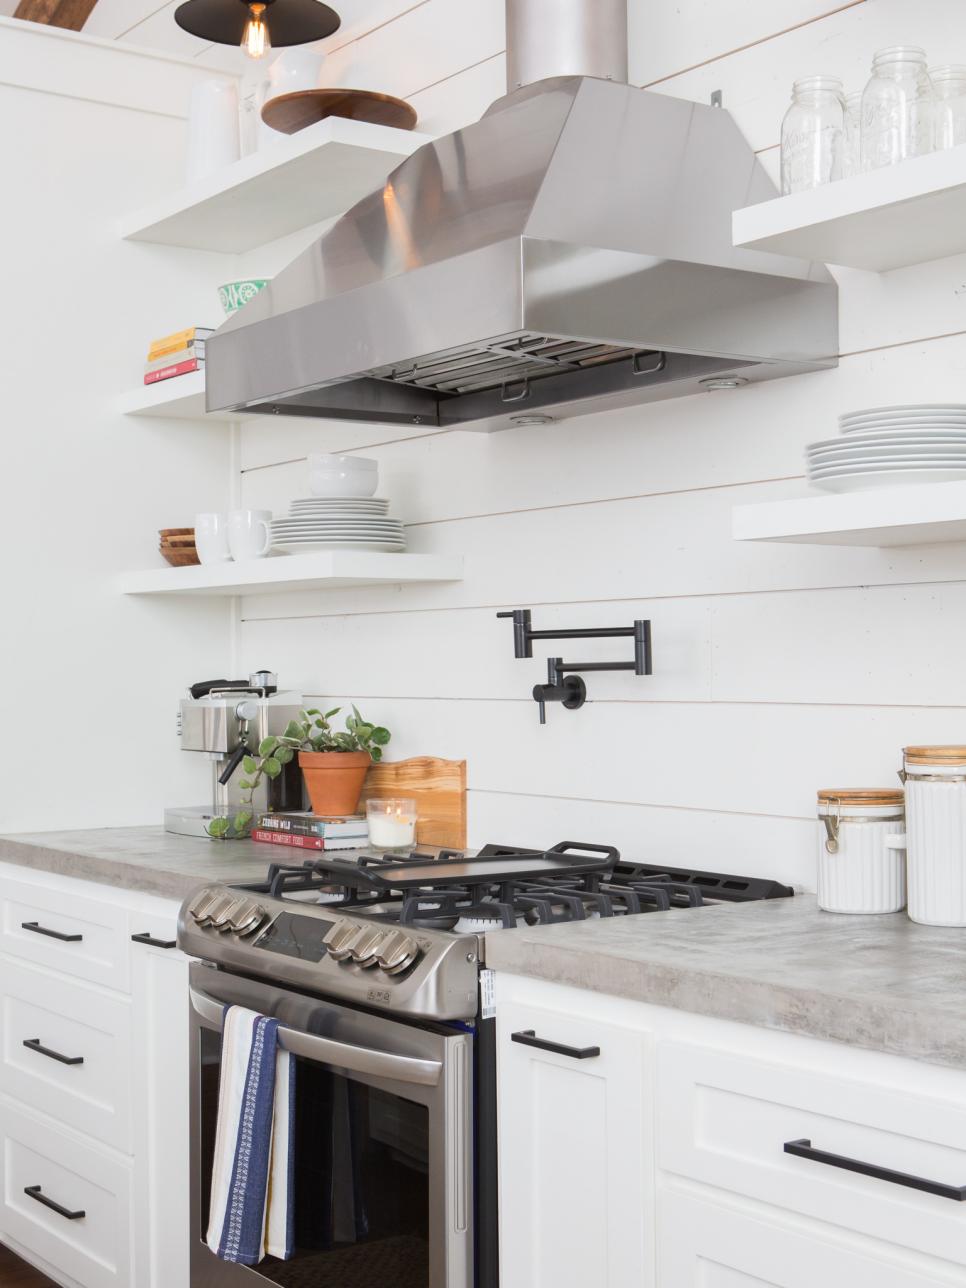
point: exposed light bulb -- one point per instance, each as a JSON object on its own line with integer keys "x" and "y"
{"x": 255, "y": 40}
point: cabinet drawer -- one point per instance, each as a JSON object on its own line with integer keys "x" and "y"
{"x": 702, "y": 1245}
{"x": 93, "y": 1248}
{"x": 77, "y": 1068}
{"x": 84, "y": 938}
{"x": 725, "y": 1120}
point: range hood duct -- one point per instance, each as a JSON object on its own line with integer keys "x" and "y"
{"x": 570, "y": 251}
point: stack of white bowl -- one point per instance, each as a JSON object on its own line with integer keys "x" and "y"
{"x": 343, "y": 512}
{"x": 889, "y": 446}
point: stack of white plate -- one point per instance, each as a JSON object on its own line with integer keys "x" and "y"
{"x": 888, "y": 446}
{"x": 338, "y": 523}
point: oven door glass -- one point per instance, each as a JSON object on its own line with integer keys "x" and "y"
{"x": 381, "y": 1177}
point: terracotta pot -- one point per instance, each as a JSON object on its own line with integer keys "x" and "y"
{"x": 334, "y": 779}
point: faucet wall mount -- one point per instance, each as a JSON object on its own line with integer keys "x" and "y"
{"x": 564, "y": 682}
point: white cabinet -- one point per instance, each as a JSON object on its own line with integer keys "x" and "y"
{"x": 573, "y": 1194}
{"x": 698, "y": 1112}
{"x": 93, "y": 1082}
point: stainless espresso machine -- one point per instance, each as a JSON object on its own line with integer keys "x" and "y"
{"x": 224, "y": 719}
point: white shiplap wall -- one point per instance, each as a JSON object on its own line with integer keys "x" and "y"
{"x": 778, "y": 670}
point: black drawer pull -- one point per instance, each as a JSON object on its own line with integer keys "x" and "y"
{"x": 33, "y": 1192}
{"x": 33, "y": 1044}
{"x": 38, "y": 929}
{"x": 803, "y": 1149}
{"x": 151, "y": 942}
{"x": 529, "y": 1038}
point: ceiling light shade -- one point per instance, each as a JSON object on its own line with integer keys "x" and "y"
{"x": 290, "y": 22}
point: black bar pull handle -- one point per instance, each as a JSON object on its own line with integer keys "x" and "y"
{"x": 34, "y": 1044}
{"x": 529, "y": 1038}
{"x": 803, "y": 1149}
{"x": 145, "y": 938}
{"x": 38, "y": 929}
{"x": 34, "y": 1192}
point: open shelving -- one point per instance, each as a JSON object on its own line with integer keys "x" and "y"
{"x": 920, "y": 514}
{"x": 180, "y": 398}
{"x": 325, "y": 570}
{"x": 904, "y": 214}
{"x": 297, "y": 181}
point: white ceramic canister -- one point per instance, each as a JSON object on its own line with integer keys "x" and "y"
{"x": 861, "y": 851}
{"x": 212, "y": 129}
{"x": 935, "y": 779}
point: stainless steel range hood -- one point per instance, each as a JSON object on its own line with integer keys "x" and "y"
{"x": 570, "y": 251}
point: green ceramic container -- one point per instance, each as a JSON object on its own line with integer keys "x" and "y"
{"x": 234, "y": 294}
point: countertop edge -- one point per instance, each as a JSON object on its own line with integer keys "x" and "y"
{"x": 893, "y": 1029}
{"x": 113, "y": 871}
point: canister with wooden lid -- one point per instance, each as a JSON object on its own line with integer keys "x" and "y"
{"x": 935, "y": 779}
{"x": 861, "y": 850}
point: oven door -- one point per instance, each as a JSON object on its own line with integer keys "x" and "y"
{"x": 382, "y": 1139}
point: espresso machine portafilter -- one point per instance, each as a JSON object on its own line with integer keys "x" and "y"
{"x": 223, "y": 720}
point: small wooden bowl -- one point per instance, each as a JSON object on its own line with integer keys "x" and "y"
{"x": 176, "y": 532}
{"x": 175, "y": 543}
{"x": 181, "y": 556}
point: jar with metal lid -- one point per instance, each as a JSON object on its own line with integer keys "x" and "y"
{"x": 861, "y": 859}
{"x": 935, "y": 779}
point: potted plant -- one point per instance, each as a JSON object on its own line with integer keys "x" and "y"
{"x": 334, "y": 765}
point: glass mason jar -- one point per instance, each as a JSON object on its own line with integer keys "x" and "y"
{"x": 949, "y": 112}
{"x": 897, "y": 108}
{"x": 852, "y": 140}
{"x": 812, "y": 134}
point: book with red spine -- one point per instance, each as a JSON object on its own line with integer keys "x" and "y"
{"x": 300, "y": 842}
{"x": 178, "y": 369}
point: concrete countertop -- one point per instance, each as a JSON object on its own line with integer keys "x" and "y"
{"x": 882, "y": 982}
{"x": 148, "y": 859}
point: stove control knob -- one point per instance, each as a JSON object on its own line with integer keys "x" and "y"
{"x": 365, "y": 946}
{"x": 224, "y": 917}
{"x": 245, "y": 917}
{"x": 397, "y": 952}
{"x": 213, "y": 913}
{"x": 201, "y": 903}
{"x": 339, "y": 940}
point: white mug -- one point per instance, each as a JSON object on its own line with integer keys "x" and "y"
{"x": 249, "y": 534}
{"x": 211, "y": 538}
{"x": 213, "y": 141}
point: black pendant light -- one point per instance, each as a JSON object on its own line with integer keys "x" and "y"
{"x": 257, "y": 25}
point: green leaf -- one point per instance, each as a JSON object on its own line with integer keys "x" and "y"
{"x": 293, "y": 730}
{"x": 284, "y": 755}
{"x": 334, "y": 712}
{"x": 313, "y": 711}
{"x": 375, "y": 753}
{"x": 218, "y": 828}
{"x": 242, "y": 821}
{"x": 245, "y": 785}
{"x": 272, "y": 767}
{"x": 380, "y": 736}
{"x": 250, "y": 765}
{"x": 267, "y": 746}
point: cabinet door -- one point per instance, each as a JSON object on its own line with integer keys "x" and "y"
{"x": 703, "y": 1245}
{"x": 574, "y": 1198}
{"x": 159, "y": 1002}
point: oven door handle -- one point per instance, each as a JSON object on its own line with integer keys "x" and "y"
{"x": 343, "y": 1055}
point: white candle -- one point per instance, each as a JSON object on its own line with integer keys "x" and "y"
{"x": 392, "y": 824}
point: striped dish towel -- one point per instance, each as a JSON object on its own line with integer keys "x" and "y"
{"x": 251, "y": 1185}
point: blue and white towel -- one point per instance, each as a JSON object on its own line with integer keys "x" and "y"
{"x": 251, "y": 1211}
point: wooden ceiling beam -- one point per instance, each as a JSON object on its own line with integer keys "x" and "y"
{"x": 71, "y": 14}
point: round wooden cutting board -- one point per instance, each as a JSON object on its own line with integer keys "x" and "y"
{"x": 290, "y": 113}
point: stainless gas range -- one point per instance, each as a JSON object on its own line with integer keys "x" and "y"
{"x": 375, "y": 968}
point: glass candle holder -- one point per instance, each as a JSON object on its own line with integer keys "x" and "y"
{"x": 392, "y": 823}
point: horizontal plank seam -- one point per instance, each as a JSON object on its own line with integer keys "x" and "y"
{"x": 710, "y": 595}
{"x": 752, "y": 44}
{"x": 453, "y": 75}
{"x": 379, "y": 26}
{"x": 738, "y": 703}
{"x": 659, "y": 805}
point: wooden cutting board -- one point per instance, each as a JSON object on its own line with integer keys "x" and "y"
{"x": 439, "y": 790}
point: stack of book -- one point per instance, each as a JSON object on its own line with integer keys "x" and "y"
{"x": 176, "y": 354}
{"x": 307, "y": 831}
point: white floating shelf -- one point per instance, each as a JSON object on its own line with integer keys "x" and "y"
{"x": 316, "y": 571}
{"x": 922, "y": 514}
{"x": 303, "y": 178}
{"x": 906, "y": 214}
{"x": 180, "y": 398}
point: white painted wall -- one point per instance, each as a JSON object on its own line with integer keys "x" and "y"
{"x": 91, "y": 680}
{"x": 779, "y": 669}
